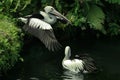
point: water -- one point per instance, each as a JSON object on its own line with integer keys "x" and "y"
{"x": 40, "y": 64}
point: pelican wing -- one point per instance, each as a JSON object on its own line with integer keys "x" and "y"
{"x": 44, "y": 32}
{"x": 73, "y": 65}
{"x": 89, "y": 63}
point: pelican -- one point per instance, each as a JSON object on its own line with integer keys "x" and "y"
{"x": 39, "y": 25}
{"x": 84, "y": 64}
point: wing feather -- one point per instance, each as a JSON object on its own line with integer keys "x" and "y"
{"x": 89, "y": 63}
{"x": 44, "y": 32}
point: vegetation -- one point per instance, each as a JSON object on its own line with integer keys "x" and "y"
{"x": 101, "y": 16}
{"x": 98, "y": 16}
{"x": 10, "y": 43}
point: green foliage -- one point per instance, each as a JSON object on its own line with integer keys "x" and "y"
{"x": 10, "y": 43}
{"x": 96, "y": 18}
{"x": 46, "y": 2}
{"x": 8, "y": 6}
{"x": 114, "y": 29}
{"x": 92, "y": 14}
{"x": 113, "y": 1}
{"x": 87, "y": 14}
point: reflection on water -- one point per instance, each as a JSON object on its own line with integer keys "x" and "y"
{"x": 40, "y": 64}
{"x": 68, "y": 75}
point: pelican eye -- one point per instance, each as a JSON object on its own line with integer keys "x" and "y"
{"x": 52, "y": 9}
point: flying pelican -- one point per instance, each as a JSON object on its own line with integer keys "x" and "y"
{"x": 84, "y": 64}
{"x": 39, "y": 25}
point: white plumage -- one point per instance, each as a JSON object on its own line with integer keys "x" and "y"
{"x": 83, "y": 65}
{"x": 73, "y": 65}
{"x": 37, "y": 23}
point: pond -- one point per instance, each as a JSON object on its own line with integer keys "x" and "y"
{"x": 41, "y": 64}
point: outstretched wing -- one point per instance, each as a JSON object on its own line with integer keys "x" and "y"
{"x": 44, "y": 32}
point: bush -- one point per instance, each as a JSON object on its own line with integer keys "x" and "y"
{"x": 10, "y": 43}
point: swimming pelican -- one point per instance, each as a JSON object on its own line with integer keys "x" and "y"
{"x": 84, "y": 64}
{"x": 39, "y": 25}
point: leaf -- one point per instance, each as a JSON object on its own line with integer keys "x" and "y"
{"x": 96, "y": 18}
{"x": 58, "y": 5}
{"x": 16, "y": 6}
{"x": 26, "y": 3}
{"x": 21, "y": 59}
{"x": 114, "y": 29}
{"x": 113, "y": 1}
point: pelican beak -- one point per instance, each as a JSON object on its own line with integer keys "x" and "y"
{"x": 60, "y": 16}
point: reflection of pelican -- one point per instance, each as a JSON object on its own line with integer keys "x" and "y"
{"x": 84, "y": 64}
{"x": 34, "y": 78}
{"x": 31, "y": 78}
{"x": 68, "y": 75}
{"x": 39, "y": 25}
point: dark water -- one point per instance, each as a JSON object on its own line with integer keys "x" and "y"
{"x": 41, "y": 64}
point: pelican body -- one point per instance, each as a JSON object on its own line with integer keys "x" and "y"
{"x": 39, "y": 25}
{"x": 82, "y": 65}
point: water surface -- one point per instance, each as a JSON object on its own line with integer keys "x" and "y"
{"x": 41, "y": 64}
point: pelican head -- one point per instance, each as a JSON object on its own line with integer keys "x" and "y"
{"x": 67, "y": 51}
{"x": 52, "y": 11}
